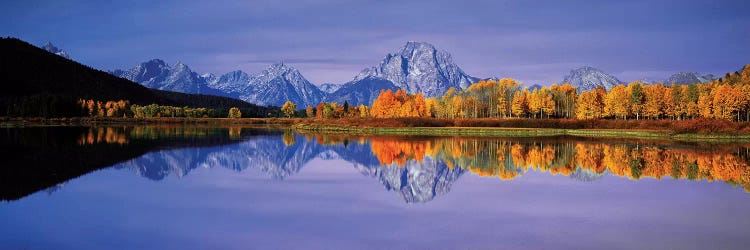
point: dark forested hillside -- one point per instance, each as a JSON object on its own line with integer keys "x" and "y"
{"x": 34, "y": 82}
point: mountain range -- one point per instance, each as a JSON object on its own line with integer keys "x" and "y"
{"x": 689, "y": 77}
{"x": 416, "y": 67}
{"x": 587, "y": 78}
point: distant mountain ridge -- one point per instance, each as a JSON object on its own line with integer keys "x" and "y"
{"x": 55, "y": 50}
{"x": 588, "y": 78}
{"x": 279, "y": 83}
{"x": 689, "y": 77}
{"x": 270, "y": 87}
{"x": 329, "y": 87}
{"x": 416, "y": 67}
{"x": 157, "y": 74}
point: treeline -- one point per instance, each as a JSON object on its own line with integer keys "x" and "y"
{"x": 123, "y": 108}
{"x": 40, "y": 105}
{"x": 335, "y": 110}
{"x": 155, "y": 110}
{"x": 727, "y": 98}
{"x": 219, "y": 104}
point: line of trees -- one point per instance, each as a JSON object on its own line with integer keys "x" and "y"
{"x": 104, "y": 109}
{"x": 335, "y": 110}
{"x": 727, "y": 98}
{"x": 123, "y": 108}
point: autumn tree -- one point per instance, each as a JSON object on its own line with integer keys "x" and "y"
{"x": 289, "y": 108}
{"x": 637, "y": 98}
{"x": 433, "y": 107}
{"x": 565, "y": 96}
{"x": 616, "y": 102}
{"x": 235, "y": 113}
{"x": 520, "y": 103}
{"x": 591, "y": 104}
{"x": 727, "y": 101}
{"x": 654, "y": 100}
{"x": 690, "y": 100}
{"x": 363, "y": 111}
{"x": 546, "y": 101}
{"x": 383, "y": 104}
{"x": 399, "y": 104}
{"x": 309, "y": 111}
{"x": 677, "y": 107}
{"x": 705, "y": 102}
{"x": 535, "y": 102}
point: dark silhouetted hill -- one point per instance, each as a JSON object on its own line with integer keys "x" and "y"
{"x": 35, "y": 82}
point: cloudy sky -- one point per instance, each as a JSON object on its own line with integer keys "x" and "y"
{"x": 331, "y": 41}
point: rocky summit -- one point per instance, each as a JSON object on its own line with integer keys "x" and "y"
{"x": 688, "y": 78}
{"x": 49, "y": 47}
{"x": 587, "y": 78}
{"x": 419, "y": 67}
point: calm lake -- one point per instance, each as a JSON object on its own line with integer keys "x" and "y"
{"x": 174, "y": 187}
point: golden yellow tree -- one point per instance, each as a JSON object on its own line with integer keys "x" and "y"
{"x": 289, "y": 108}
{"x": 727, "y": 101}
{"x": 235, "y": 113}
{"x": 520, "y": 103}
{"x": 309, "y": 111}
{"x": 383, "y": 104}
{"x": 590, "y": 104}
{"x": 547, "y": 102}
{"x": 654, "y": 101}
{"x": 535, "y": 102}
{"x": 363, "y": 111}
{"x": 617, "y": 102}
{"x": 432, "y": 106}
{"x": 705, "y": 102}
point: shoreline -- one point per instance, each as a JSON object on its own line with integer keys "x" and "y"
{"x": 524, "y": 132}
{"x": 370, "y": 127}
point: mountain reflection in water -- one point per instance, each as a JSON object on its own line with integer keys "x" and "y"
{"x": 417, "y": 168}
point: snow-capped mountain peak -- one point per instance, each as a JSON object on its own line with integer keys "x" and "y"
{"x": 157, "y": 74}
{"x": 278, "y": 83}
{"x": 232, "y": 82}
{"x": 329, "y": 87}
{"x": 688, "y": 78}
{"x": 210, "y": 78}
{"x": 587, "y": 78}
{"x": 418, "y": 67}
{"x": 55, "y": 50}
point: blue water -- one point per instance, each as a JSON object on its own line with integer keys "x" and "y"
{"x": 258, "y": 193}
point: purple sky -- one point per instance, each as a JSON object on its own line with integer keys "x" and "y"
{"x": 331, "y": 41}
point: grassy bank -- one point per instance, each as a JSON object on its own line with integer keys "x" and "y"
{"x": 686, "y": 130}
{"x": 521, "y": 132}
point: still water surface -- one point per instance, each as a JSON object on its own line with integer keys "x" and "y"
{"x": 244, "y": 188}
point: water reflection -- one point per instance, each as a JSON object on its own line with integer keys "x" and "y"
{"x": 417, "y": 169}
{"x": 507, "y": 159}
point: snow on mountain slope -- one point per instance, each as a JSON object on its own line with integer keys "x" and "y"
{"x": 587, "y": 78}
